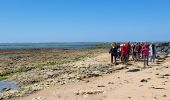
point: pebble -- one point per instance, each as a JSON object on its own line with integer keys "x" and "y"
{"x": 39, "y": 98}
{"x": 85, "y": 92}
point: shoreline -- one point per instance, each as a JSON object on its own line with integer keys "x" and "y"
{"x": 75, "y": 66}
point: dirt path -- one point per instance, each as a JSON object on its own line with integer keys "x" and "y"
{"x": 130, "y": 83}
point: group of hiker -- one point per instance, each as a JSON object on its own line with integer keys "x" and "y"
{"x": 135, "y": 51}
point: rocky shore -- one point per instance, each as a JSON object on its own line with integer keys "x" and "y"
{"x": 122, "y": 82}
{"x": 35, "y": 70}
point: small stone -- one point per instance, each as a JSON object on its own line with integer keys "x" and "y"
{"x": 50, "y": 74}
{"x": 6, "y": 89}
{"x": 133, "y": 70}
{"x": 164, "y": 96}
{"x": 157, "y": 74}
{"x": 166, "y": 75}
{"x": 39, "y": 98}
{"x": 144, "y": 80}
{"x": 87, "y": 81}
{"x": 100, "y": 86}
{"x": 110, "y": 82}
{"x": 129, "y": 97}
{"x": 85, "y": 92}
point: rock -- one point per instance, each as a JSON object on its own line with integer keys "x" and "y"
{"x": 13, "y": 91}
{"x": 71, "y": 76}
{"x": 36, "y": 88}
{"x": 157, "y": 74}
{"x": 39, "y": 98}
{"x": 144, "y": 80}
{"x": 89, "y": 92}
{"x": 100, "y": 86}
{"x": 166, "y": 75}
{"x": 164, "y": 96}
{"x": 157, "y": 88}
{"x": 87, "y": 81}
{"x": 161, "y": 77}
{"x": 110, "y": 82}
{"x": 49, "y": 74}
{"x": 129, "y": 97}
{"x": 133, "y": 70}
{"x": 6, "y": 89}
{"x": 1, "y": 94}
{"x": 79, "y": 78}
{"x": 95, "y": 74}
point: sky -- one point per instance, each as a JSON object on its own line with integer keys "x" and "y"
{"x": 84, "y": 20}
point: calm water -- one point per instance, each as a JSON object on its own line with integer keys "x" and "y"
{"x": 70, "y": 45}
{"x": 8, "y": 84}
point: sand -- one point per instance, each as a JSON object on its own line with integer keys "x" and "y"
{"x": 131, "y": 82}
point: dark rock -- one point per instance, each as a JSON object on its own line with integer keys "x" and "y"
{"x": 144, "y": 80}
{"x": 110, "y": 83}
{"x": 164, "y": 96}
{"x": 157, "y": 74}
{"x": 133, "y": 70}
{"x": 157, "y": 88}
{"x": 87, "y": 81}
{"x": 6, "y": 89}
{"x": 100, "y": 86}
{"x": 166, "y": 75}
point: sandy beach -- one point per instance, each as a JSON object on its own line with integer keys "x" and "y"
{"x": 126, "y": 82}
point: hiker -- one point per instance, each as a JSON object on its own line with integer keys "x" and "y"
{"x": 134, "y": 52}
{"x": 152, "y": 52}
{"x": 142, "y": 44}
{"x": 128, "y": 47}
{"x": 145, "y": 51}
{"x": 114, "y": 53}
{"x": 124, "y": 54}
{"x": 138, "y": 51}
{"x": 118, "y": 51}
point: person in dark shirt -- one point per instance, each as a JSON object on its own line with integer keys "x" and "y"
{"x": 134, "y": 52}
{"x": 138, "y": 51}
{"x": 152, "y": 52}
{"x": 114, "y": 52}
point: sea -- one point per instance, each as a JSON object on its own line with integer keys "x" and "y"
{"x": 62, "y": 45}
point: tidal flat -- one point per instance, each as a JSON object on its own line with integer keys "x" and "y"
{"x": 34, "y": 69}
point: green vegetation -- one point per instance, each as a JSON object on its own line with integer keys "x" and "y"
{"x": 6, "y": 73}
{"x": 3, "y": 78}
{"x": 22, "y": 69}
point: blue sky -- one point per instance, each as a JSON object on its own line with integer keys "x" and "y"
{"x": 84, "y": 20}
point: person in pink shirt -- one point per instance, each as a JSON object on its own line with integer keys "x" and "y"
{"x": 145, "y": 51}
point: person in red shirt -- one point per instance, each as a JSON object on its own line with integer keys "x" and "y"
{"x": 124, "y": 53}
{"x": 128, "y": 47}
{"x": 145, "y": 51}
